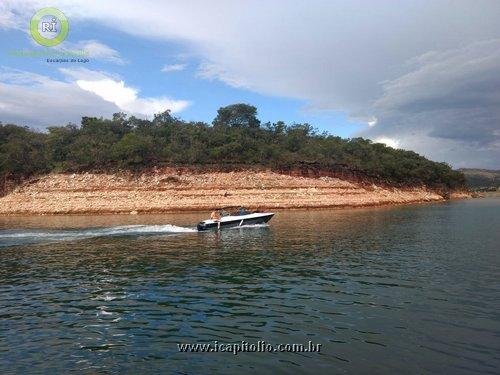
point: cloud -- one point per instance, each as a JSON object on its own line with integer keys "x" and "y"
{"x": 74, "y": 74}
{"x": 111, "y": 91}
{"x": 7, "y": 18}
{"x": 448, "y": 106}
{"x": 173, "y": 68}
{"x": 211, "y": 71}
{"x": 13, "y": 15}
{"x": 97, "y": 50}
{"x": 372, "y": 122}
{"x": 126, "y": 98}
{"x": 83, "y": 93}
{"x": 51, "y": 102}
{"x": 387, "y": 141}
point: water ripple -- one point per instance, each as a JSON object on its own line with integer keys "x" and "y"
{"x": 388, "y": 290}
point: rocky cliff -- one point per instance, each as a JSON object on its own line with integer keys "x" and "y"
{"x": 170, "y": 189}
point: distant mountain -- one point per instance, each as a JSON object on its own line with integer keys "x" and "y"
{"x": 482, "y": 179}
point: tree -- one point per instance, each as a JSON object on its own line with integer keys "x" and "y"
{"x": 60, "y": 142}
{"x": 242, "y": 115}
{"x": 133, "y": 150}
{"x": 22, "y": 151}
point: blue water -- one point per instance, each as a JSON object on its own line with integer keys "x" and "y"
{"x": 412, "y": 289}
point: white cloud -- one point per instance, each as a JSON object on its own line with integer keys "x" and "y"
{"x": 334, "y": 54}
{"x": 13, "y": 15}
{"x": 84, "y": 93}
{"x": 111, "y": 91}
{"x": 7, "y": 18}
{"x": 388, "y": 142}
{"x": 211, "y": 71}
{"x": 51, "y": 101}
{"x": 372, "y": 122}
{"x": 127, "y": 100}
{"x": 87, "y": 74}
{"x": 167, "y": 68}
{"x": 98, "y": 50}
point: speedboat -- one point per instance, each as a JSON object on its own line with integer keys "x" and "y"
{"x": 224, "y": 219}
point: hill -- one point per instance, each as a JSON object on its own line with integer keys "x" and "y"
{"x": 482, "y": 179}
{"x": 236, "y": 136}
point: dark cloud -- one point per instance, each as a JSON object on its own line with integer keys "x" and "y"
{"x": 452, "y": 95}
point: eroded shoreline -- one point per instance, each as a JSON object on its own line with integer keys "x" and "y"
{"x": 170, "y": 190}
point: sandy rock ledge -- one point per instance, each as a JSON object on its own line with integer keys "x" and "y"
{"x": 170, "y": 190}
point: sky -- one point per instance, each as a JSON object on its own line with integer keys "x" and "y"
{"x": 418, "y": 75}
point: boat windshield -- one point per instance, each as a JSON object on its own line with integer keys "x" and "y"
{"x": 234, "y": 211}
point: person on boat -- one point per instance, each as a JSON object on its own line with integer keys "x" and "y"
{"x": 243, "y": 211}
{"x": 215, "y": 215}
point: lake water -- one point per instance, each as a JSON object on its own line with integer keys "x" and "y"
{"x": 413, "y": 289}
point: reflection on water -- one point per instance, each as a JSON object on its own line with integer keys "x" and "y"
{"x": 411, "y": 289}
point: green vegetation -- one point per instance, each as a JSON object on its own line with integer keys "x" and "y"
{"x": 482, "y": 179}
{"x": 236, "y": 137}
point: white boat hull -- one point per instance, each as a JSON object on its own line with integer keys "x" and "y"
{"x": 235, "y": 221}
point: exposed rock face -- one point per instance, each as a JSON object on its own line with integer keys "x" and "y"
{"x": 168, "y": 190}
{"x": 462, "y": 195}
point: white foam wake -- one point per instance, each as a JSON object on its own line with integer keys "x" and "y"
{"x": 263, "y": 225}
{"x": 19, "y": 237}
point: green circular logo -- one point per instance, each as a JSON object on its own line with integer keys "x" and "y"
{"x": 49, "y": 27}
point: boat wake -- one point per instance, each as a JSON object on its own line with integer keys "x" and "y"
{"x": 32, "y": 236}
{"x": 263, "y": 225}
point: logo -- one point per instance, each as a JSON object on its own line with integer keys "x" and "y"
{"x": 49, "y": 27}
